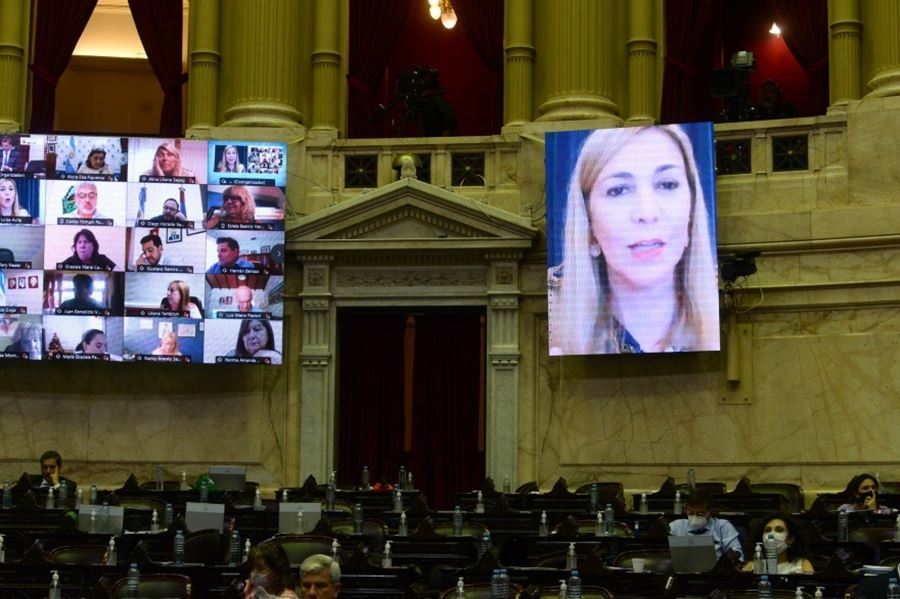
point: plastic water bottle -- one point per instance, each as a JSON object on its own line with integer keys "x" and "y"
{"x": 460, "y": 588}
{"x": 104, "y": 517}
{"x": 364, "y": 479}
{"x": 92, "y": 524}
{"x": 771, "y": 554}
{"x": 111, "y": 559}
{"x": 457, "y": 521}
{"x": 485, "y": 544}
{"x": 401, "y": 478}
{"x": 7, "y": 495}
{"x": 645, "y": 505}
{"x": 571, "y": 558}
{"x": 204, "y": 491}
{"x": 759, "y": 564}
{"x": 676, "y": 509}
{"x": 63, "y": 494}
{"x": 398, "y": 500}
{"x": 357, "y": 519}
{"x": 563, "y": 589}
{"x": 178, "y": 551}
{"x": 134, "y": 581}
{"x": 168, "y": 515}
{"x": 893, "y": 589}
{"x": 329, "y": 496}
{"x": 479, "y": 503}
{"x": 504, "y": 584}
{"x": 184, "y": 484}
{"x": 386, "y": 559}
{"x": 257, "y": 501}
{"x": 235, "y": 547}
{"x": 764, "y": 589}
{"x": 507, "y": 486}
{"x": 410, "y": 485}
{"x": 79, "y": 494}
{"x": 50, "y": 504}
{"x": 637, "y": 529}
{"x": 54, "y": 592}
{"x": 692, "y": 478}
{"x": 402, "y": 528}
{"x": 246, "y": 555}
{"x": 160, "y": 483}
{"x": 595, "y": 498}
{"x": 543, "y": 527}
{"x": 92, "y": 496}
{"x": 298, "y": 527}
{"x": 574, "y": 591}
{"x": 609, "y": 516}
{"x": 843, "y": 526}
{"x": 599, "y": 526}
{"x": 495, "y": 584}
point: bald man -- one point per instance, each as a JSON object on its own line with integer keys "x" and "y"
{"x": 244, "y": 298}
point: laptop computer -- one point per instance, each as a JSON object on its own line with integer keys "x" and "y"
{"x": 116, "y": 519}
{"x": 229, "y": 478}
{"x": 202, "y": 516}
{"x": 287, "y": 517}
{"x": 693, "y": 553}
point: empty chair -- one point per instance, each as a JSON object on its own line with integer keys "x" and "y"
{"x": 469, "y": 529}
{"x": 204, "y": 547}
{"x": 157, "y": 586}
{"x": 609, "y": 492}
{"x": 82, "y": 555}
{"x": 658, "y": 561}
{"x": 300, "y": 547}
{"x": 587, "y": 526}
{"x": 375, "y": 529}
{"x": 479, "y": 590}
{"x": 792, "y": 493}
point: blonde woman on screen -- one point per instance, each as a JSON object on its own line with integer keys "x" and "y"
{"x": 638, "y": 273}
{"x": 9, "y": 199}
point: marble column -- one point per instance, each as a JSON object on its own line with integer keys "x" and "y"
{"x": 263, "y": 82}
{"x": 203, "y": 80}
{"x": 503, "y": 367}
{"x": 518, "y": 85}
{"x": 882, "y": 23}
{"x": 14, "y": 31}
{"x": 317, "y": 402}
{"x": 574, "y": 59}
{"x": 844, "y": 75}
{"x": 326, "y": 66}
{"x": 641, "y": 47}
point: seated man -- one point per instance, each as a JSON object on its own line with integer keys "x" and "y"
{"x": 51, "y": 473}
{"x": 228, "y": 252}
{"x": 320, "y": 577}
{"x": 152, "y": 252}
{"x": 700, "y": 521}
{"x": 171, "y": 213}
{"x": 84, "y": 289}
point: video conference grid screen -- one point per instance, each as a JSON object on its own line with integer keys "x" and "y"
{"x": 631, "y": 240}
{"x": 141, "y": 249}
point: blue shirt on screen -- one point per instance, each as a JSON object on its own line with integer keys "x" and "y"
{"x": 216, "y": 269}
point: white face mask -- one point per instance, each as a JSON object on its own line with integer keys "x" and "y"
{"x": 780, "y": 541}
{"x": 697, "y": 522}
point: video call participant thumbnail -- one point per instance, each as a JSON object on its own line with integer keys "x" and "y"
{"x": 251, "y": 341}
{"x": 245, "y": 296}
{"x": 638, "y": 270}
{"x": 82, "y": 338}
{"x": 95, "y": 294}
{"x": 11, "y": 210}
{"x": 95, "y": 164}
{"x": 25, "y": 341}
{"x": 86, "y": 254}
{"x": 166, "y": 250}
{"x": 9, "y": 155}
{"x": 21, "y": 291}
{"x": 167, "y": 160}
{"x": 228, "y": 255}
{"x": 176, "y": 340}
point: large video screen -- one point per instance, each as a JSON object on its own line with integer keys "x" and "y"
{"x": 141, "y": 249}
{"x": 631, "y": 240}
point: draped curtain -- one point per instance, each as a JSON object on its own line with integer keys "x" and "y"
{"x": 57, "y": 30}
{"x": 804, "y": 26}
{"x": 685, "y": 94}
{"x": 483, "y": 23}
{"x": 375, "y": 27}
{"x": 159, "y": 25}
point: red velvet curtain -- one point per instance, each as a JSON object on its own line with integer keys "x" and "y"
{"x": 482, "y": 21}
{"x": 688, "y": 60}
{"x": 58, "y": 28}
{"x": 446, "y": 452}
{"x": 159, "y": 27}
{"x": 804, "y": 28}
{"x": 375, "y": 27}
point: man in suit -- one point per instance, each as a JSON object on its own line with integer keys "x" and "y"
{"x": 9, "y": 155}
{"x": 51, "y": 472}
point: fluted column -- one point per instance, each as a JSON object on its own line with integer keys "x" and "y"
{"x": 519, "y": 72}
{"x": 641, "y": 45}
{"x": 203, "y": 80}
{"x": 882, "y": 23}
{"x": 263, "y": 83}
{"x": 14, "y": 28}
{"x": 326, "y": 65}
{"x": 844, "y": 75}
{"x": 574, "y": 65}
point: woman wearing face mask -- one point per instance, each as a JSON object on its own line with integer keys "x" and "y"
{"x": 791, "y": 550}
{"x": 270, "y": 573}
{"x": 862, "y": 495}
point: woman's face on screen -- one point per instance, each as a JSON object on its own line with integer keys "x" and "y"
{"x": 168, "y": 161}
{"x": 84, "y": 249}
{"x": 7, "y": 195}
{"x": 173, "y": 294}
{"x": 640, "y": 210}
{"x": 256, "y": 337}
{"x": 97, "y": 345}
{"x": 230, "y": 156}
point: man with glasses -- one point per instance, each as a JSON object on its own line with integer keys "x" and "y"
{"x": 171, "y": 213}
{"x": 700, "y": 521}
{"x": 86, "y": 201}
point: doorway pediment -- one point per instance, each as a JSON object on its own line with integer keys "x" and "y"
{"x": 411, "y": 215}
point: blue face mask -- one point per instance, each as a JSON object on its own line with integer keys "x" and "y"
{"x": 260, "y": 581}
